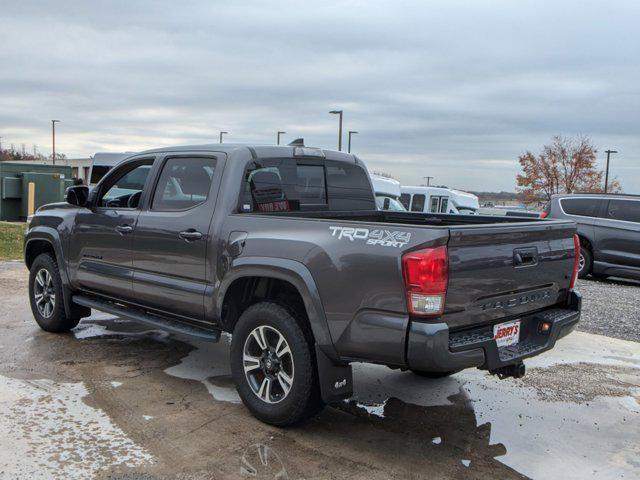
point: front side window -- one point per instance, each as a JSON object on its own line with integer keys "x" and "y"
{"x": 626, "y": 210}
{"x": 184, "y": 183}
{"x": 385, "y": 202}
{"x": 125, "y": 189}
{"x": 582, "y": 207}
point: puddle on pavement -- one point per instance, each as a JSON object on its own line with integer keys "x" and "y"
{"x": 398, "y": 422}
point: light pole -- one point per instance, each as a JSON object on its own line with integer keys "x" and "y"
{"x": 53, "y": 138}
{"x": 606, "y": 178}
{"x": 280, "y": 133}
{"x": 339, "y": 112}
{"x": 222, "y": 133}
{"x": 351, "y": 132}
{"x": 428, "y": 180}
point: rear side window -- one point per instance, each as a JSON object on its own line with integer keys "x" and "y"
{"x": 184, "y": 183}
{"x": 582, "y": 207}
{"x": 627, "y": 210}
{"x": 283, "y": 185}
{"x": 417, "y": 205}
{"x": 405, "y": 199}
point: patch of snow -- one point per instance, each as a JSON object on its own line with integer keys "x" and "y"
{"x": 115, "y": 384}
{"x": 436, "y": 441}
{"x": 377, "y": 409}
{"x": 466, "y": 463}
{"x": 89, "y": 330}
{"x": 147, "y": 417}
{"x": 47, "y": 431}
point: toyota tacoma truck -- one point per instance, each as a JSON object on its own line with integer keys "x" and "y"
{"x": 282, "y": 246}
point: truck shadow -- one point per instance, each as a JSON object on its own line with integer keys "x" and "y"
{"x": 396, "y": 439}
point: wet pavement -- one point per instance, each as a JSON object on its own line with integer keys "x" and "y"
{"x": 114, "y": 399}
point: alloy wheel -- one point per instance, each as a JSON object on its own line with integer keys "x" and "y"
{"x": 268, "y": 366}
{"x": 44, "y": 293}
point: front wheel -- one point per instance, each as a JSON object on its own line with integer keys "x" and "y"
{"x": 45, "y": 296}
{"x": 273, "y": 364}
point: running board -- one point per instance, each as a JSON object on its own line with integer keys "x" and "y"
{"x": 175, "y": 326}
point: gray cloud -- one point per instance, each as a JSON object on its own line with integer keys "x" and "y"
{"x": 452, "y": 89}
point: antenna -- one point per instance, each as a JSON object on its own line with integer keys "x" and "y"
{"x": 298, "y": 142}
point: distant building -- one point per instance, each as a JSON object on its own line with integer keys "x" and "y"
{"x": 80, "y": 167}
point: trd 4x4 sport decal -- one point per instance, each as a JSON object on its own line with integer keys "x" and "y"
{"x": 385, "y": 238}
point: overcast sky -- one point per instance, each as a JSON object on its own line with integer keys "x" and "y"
{"x": 451, "y": 89}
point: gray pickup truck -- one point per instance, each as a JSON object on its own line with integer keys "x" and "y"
{"x": 283, "y": 247}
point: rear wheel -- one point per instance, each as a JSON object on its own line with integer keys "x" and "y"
{"x": 45, "y": 296}
{"x": 585, "y": 262}
{"x": 273, "y": 364}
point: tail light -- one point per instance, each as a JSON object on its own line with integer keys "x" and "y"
{"x": 426, "y": 273}
{"x": 544, "y": 214}
{"x": 576, "y": 261}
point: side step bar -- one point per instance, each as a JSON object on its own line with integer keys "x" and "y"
{"x": 212, "y": 335}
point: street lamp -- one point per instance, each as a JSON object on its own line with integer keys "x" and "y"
{"x": 53, "y": 138}
{"x": 339, "y": 112}
{"x": 351, "y": 132}
{"x": 280, "y": 133}
{"x": 222, "y": 133}
{"x": 606, "y": 178}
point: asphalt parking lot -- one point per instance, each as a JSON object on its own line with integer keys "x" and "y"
{"x": 116, "y": 400}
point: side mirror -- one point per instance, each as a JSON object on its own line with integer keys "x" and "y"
{"x": 77, "y": 195}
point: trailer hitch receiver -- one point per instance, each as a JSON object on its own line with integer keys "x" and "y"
{"x": 515, "y": 371}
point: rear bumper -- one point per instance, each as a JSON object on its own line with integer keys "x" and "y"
{"x": 432, "y": 348}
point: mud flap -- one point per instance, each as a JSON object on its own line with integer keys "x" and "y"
{"x": 336, "y": 380}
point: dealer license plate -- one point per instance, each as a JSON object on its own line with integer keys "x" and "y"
{"x": 507, "y": 333}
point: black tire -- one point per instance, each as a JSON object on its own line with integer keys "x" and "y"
{"x": 53, "y": 319}
{"x": 587, "y": 264}
{"x": 303, "y": 399}
{"x": 434, "y": 374}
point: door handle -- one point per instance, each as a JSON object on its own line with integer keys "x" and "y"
{"x": 190, "y": 235}
{"x": 124, "y": 229}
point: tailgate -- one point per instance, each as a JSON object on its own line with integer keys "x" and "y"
{"x": 501, "y": 271}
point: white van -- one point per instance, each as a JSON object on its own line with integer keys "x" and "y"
{"x": 387, "y": 192}
{"x": 103, "y": 162}
{"x": 439, "y": 200}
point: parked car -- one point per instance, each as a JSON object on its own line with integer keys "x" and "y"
{"x": 284, "y": 248}
{"x": 608, "y": 228}
{"x": 439, "y": 200}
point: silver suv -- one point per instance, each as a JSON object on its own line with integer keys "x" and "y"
{"x": 609, "y": 230}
